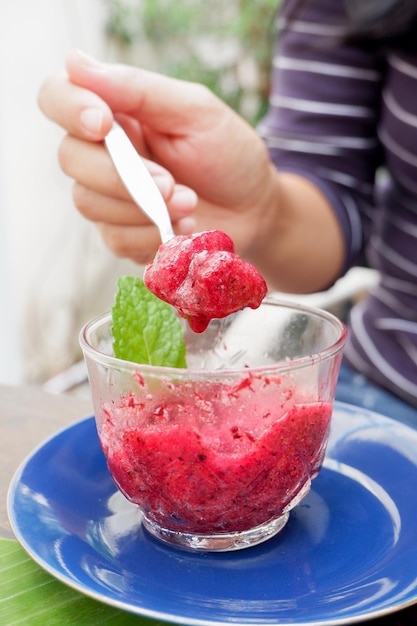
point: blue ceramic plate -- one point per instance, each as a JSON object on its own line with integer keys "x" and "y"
{"x": 347, "y": 554}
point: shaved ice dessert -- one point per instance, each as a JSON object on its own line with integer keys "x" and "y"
{"x": 227, "y": 457}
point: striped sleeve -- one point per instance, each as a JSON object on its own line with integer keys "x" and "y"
{"x": 323, "y": 113}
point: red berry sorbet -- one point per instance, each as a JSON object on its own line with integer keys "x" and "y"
{"x": 219, "y": 457}
{"x": 202, "y": 277}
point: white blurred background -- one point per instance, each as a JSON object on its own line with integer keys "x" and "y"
{"x": 54, "y": 270}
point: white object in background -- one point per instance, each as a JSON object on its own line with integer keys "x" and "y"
{"x": 10, "y": 349}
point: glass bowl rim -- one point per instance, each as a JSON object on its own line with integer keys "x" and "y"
{"x": 279, "y": 366}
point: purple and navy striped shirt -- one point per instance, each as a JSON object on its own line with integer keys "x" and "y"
{"x": 344, "y": 115}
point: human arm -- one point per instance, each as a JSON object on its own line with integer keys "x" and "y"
{"x": 206, "y": 147}
{"x": 303, "y": 220}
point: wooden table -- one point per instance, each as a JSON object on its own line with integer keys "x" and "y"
{"x": 28, "y": 416}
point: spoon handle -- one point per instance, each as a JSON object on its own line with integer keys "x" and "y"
{"x": 137, "y": 180}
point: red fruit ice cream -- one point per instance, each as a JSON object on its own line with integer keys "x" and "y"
{"x": 203, "y": 278}
{"x": 214, "y": 457}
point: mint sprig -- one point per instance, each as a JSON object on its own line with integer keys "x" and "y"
{"x": 145, "y": 329}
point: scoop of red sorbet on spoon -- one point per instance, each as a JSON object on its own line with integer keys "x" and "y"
{"x": 202, "y": 277}
{"x": 199, "y": 274}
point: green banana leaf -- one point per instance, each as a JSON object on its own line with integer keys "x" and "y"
{"x": 29, "y": 595}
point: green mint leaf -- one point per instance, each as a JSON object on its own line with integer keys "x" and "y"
{"x": 145, "y": 329}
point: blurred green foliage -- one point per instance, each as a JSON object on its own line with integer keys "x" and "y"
{"x": 225, "y": 45}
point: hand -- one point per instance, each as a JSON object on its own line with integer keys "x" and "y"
{"x": 211, "y": 167}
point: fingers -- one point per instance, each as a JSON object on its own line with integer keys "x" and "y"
{"x": 138, "y": 243}
{"x": 133, "y": 237}
{"x": 181, "y": 204}
{"x": 125, "y": 229}
{"x": 97, "y": 207}
{"x": 91, "y": 166}
{"x": 100, "y": 208}
{"x": 101, "y": 197}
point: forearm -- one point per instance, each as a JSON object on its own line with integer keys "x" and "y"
{"x": 299, "y": 246}
{"x": 322, "y": 124}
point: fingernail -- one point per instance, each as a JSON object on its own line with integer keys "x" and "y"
{"x": 92, "y": 120}
{"x": 86, "y": 58}
{"x": 187, "y": 195}
{"x": 164, "y": 184}
{"x": 186, "y": 226}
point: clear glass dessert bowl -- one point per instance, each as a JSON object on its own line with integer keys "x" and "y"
{"x": 216, "y": 455}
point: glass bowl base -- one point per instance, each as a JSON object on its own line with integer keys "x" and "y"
{"x": 221, "y": 542}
